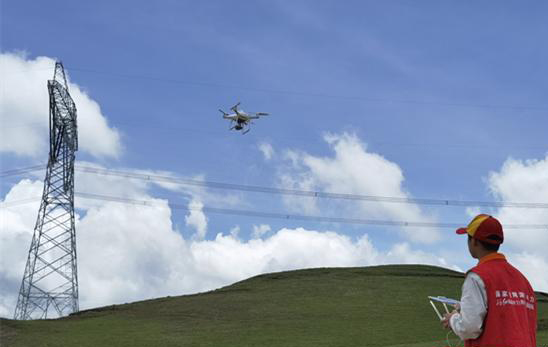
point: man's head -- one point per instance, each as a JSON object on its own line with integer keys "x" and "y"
{"x": 484, "y": 235}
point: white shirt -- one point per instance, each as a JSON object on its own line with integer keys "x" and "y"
{"x": 473, "y": 307}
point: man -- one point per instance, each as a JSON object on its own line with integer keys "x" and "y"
{"x": 498, "y": 306}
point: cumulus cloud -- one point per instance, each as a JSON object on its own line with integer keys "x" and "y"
{"x": 17, "y": 225}
{"x": 133, "y": 183}
{"x": 16, "y": 228}
{"x": 534, "y": 266}
{"x": 287, "y": 249}
{"x": 25, "y": 112}
{"x": 352, "y": 170}
{"x": 197, "y": 219}
{"x": 267, "y": 150}
{"x": 524, "y": 181}
{"x": 260, "y": 230}
{"x": 138, "y": 253}
{"x": 235, "y": 231}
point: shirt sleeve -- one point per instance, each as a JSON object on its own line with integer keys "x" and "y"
{"x": 473, "y": 307}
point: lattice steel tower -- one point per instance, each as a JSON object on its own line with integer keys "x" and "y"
{"x": 50, "y": 282}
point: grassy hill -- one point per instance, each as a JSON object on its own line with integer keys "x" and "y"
{"x": 372, "y": 306}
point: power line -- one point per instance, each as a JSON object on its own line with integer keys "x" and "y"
{"x": 294, "y": 192}
{"x": 165, "y": 127}
{"x": 273, "y": 215}
{"x": 268, "y": 214}
{"x": 21, "y": 171}
{"x": 308, "y": 193}
{"x": 304, "y": 93}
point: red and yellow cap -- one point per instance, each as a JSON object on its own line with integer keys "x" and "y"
{"x": 484, "y": 228}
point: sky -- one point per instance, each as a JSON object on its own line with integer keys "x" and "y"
{"x": 442, "y": 100}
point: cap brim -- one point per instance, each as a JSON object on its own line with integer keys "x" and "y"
{"x": 461, "y": 231}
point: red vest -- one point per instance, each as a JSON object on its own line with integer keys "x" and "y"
{"x": 511, "y": 319}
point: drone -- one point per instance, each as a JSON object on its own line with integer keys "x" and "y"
{"x": 241, "y": 120}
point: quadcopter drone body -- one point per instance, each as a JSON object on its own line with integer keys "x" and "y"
{"x": 241, "y": 120}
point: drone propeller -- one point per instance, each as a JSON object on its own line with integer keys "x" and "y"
{"x": 235, "y": 107}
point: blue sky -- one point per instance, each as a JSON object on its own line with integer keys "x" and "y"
{"x": 430, "y": 99}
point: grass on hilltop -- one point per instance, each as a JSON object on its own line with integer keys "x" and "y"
{"x": 371, "y": 306}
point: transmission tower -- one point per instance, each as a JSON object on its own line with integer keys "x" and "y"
{"x": 50, "y": 281}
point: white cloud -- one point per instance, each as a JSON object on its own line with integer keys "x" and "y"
{"x": 16, "y": 229}
{"x": 138, "y": 253}
{"x": 287, "y": 249}
{"x": 267, "y": 150}
{"x": 106, "y": 185}
{"x": 133, "y": 183}
{"x": 197, "y": 219}
{"x": 25, "y": 111}
{"x": 352, "y": 170}
{"x": 524, "y": 181}
{"x": 297, "y": 176}
{"x": 235, "y": 231}
{"x": 473, "y": 211}
{"x": 520, "y": 181}
{"x": 260, "y": 230}
{"x": 131, "y": 252}
{"x": 401, "y": 253}
{"x": 534, "y": 266}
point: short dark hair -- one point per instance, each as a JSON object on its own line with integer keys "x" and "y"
{"x": 488, "y": 246}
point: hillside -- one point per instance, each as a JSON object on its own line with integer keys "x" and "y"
{"x": 372, "y": 306}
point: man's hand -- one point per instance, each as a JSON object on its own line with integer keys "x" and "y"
{"x": 446, "y": 318}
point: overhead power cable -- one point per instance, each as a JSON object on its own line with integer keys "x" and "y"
{"x": 274, "y": 215}
{"x": 295, "y": 216}
{"x": 21, "y": 171}
{"x": 267, "y": 214}
{"x": 308, "y": 193}
{"x": 294, "y": 192}
{"x": 311, "y": 94}
{"x": 301, "y": 93}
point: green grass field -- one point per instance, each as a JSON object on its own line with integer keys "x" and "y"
{"x": 372, "y": 306}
